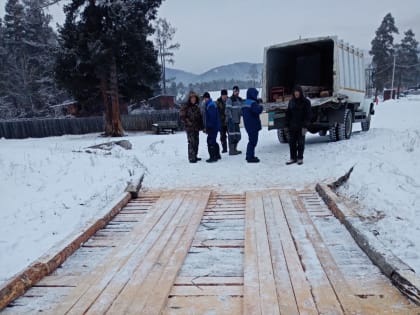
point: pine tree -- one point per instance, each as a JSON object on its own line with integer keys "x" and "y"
{"x": 383, "y": 51}
{"x": 40, "y": 43}
{"x": 104, "y": 51}
{"x": 3, "y": 54}
{"x": 407, "y": 60}
{"x": 29, "y": 42}
{"x": 14, "y": 74}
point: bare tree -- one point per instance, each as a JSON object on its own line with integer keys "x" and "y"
{"x": 164, "y": 36}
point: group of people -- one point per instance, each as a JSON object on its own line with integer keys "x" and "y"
{"x": 224, "y": 117}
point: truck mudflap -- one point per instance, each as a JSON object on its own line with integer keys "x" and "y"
{"x": 336, "y": 115}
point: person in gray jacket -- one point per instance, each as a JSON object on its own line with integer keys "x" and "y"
{"x": 233, "y": 119}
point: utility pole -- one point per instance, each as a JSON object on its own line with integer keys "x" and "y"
{"x": 393, "y": 76}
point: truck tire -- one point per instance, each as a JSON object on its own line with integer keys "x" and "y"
{"x": 345, "y": 129}
{"x": 366, "y": 124}
{"x": 283, "y": 135}
{"x": 333, "y": 133}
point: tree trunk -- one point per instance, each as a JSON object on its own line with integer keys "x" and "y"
{"x": 107, "y": 105}
{"x": 113, "y": 125}
{"x": 116, "y": 124}
{"x": 399, "y": 85}
{"x": 164, "y": 72}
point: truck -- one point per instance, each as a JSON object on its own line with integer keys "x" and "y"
{"x": 332, "y": 75}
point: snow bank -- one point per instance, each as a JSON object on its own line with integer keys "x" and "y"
{"x": 47, "y": 191}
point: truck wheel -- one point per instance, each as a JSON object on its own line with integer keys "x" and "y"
{"x": 333, "y": 133}
{"x": 345, "y": 129}
{"x": 283, "y": 135}
{"x": 366, "y": 124}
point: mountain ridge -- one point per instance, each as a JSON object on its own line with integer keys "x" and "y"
{"x": 236, "y": 71}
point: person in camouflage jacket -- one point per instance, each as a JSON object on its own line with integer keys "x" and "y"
{"x": 190, "y": 115}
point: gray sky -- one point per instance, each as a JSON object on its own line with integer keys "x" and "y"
{"x": 216, "y": 32}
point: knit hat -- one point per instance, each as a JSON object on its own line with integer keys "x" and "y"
{"x": 206, "y": 95}
{"x": 223, "y": 92}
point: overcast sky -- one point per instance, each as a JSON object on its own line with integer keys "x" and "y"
{"x": 218, "y": 32}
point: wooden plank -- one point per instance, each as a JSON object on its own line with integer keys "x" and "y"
{"x": 348, "y": 301}
{"x": 145, "y": 275}
{"x": 268, "y": 291}
{"x": 219, "y": 243}
{"x": 55, "y": 281}
{"x": 197, "y": 281}
{"x": 301, "y": 287}
{"x": 206, "y": 290}
{"x": 322, "y": 291}
{"x": 82, "y": 297}
{"x": 235, "y": 212}
{"x": 252, "y": 302}
{"x": 182, "y": 305}
{"x": 130, "y": 281}
{"x": 149, "y": 294}
{"x": 285, "y": 294}
{"x": 224, "y": 217}
{"x": 157, "y": 299}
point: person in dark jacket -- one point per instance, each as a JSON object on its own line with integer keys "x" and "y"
{"x": 190, "y": 115}
{"x": 233, "y": 118}
{"x": 298, "y": 117}
{"x": 212, "y": 127}
{"x": 251, "y": 111}
{"x": 221, "y": 105}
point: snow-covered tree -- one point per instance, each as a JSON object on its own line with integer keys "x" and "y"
{"x": 3, "y": 55}
{"x": 29, "y": 42}
{"x": 164, "y": 36}
{"x": 383, "y": 51}
{"x": 407, "y": 60}
{"x": 105, "y": 54}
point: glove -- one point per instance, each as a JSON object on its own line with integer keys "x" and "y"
{"x": 304, "y": 131}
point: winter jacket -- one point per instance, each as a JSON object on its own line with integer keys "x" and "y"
{"x": 190, "y": 115}
{"x": 212, "y": 117}
{"x": 221, "y": 105}
{"x": 299, "y": 112}
{"x": 251, "y": 111}
{"x": 234, "y": 109}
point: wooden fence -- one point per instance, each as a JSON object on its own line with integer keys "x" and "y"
{"x": 48, "y": 127}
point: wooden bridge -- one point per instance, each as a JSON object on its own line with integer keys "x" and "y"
{"x": 200, "y": 252}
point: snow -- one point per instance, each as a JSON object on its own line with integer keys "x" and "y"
{"x": 49, "y": 191}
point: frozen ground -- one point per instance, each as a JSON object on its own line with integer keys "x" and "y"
{"x": 48, "y": 190}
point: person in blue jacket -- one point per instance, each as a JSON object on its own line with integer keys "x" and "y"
{"x": 212, "y": 127}
{"x": 251, "y": 111}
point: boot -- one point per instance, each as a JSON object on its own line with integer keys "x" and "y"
{"x": 231, "y": 149}
{"x": 235, "y": 146}
{"x": 217, "y": 152}
{"x": 224, "y": 146}
{"x": 212, "y": 153}
{"x": 253, "y": 160}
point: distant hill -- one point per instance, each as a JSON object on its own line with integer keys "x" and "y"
{"x": 181, "y": 76}
{"x": 237, "y": 71}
